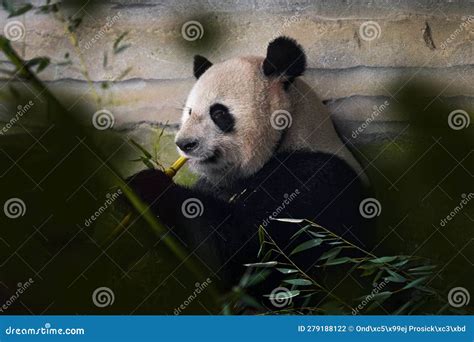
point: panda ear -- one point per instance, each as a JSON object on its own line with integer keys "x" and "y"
{"x": 201, "y": 64}
{"x": 285, "y": 57}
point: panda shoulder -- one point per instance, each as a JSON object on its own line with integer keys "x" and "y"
{"x": 316, "y": 167}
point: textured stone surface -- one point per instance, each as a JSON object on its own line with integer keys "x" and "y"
{"x": 158, "y": 49}
{"x": 427, "y": 40}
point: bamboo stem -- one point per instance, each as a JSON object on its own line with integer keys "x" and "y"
{"x": 174, "y": 168}
{"x": 143, "y": 210}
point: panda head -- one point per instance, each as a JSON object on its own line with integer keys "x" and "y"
{"x": 226, "y": 127}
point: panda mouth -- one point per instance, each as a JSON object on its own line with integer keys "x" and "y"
{"x": 211, "y": 159}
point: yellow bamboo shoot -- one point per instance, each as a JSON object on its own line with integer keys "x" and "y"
{"x": 174, "y": 168}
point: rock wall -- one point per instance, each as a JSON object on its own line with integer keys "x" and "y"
{"x": 360, "y": 53}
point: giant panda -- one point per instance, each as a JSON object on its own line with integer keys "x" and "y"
{"x": 264, "y": 147}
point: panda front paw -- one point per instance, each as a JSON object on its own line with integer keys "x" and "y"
{"x": 150, "y": 184}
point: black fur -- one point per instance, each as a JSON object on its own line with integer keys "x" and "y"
{"x": 201, "y": 64}
{"x": 221, "y": 116}
{"x": 225, "y": 235}
{"x": 284, "y": 58}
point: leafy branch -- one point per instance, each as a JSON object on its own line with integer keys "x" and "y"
{"x": 143, "y": 210}
{"x": 398, "y": 275}
{"x": 150, "y": 160}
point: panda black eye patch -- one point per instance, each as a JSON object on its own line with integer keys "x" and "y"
{"x": 222, "y": 117}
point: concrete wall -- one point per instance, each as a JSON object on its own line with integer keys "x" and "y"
{"x": 353, "y": 69}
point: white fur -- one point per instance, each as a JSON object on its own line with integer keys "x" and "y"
{"x": 252, "y": 97}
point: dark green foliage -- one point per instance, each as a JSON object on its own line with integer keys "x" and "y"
{"x": 395, "y": 283}
{"x": 63, "y": 174}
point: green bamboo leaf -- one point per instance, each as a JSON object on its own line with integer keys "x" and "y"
{"x": 302, "y": 230}
{"x": 48, "y": 8}
{"x": 426, "y": 289}
{"x": 123, "y": 74}
{"x": 318, "y": 235}
{"x": 260, "y": 250}
{"x": 6, "y": 46}
{"x": 368, "y": 272}
{"x": 261, "y": 238}
{"x": 121, "y": 48}
{"x": 338, "y": 261}
{"x": 287, "y": 270}
{"x": 288, "y": 220}
{"x": 148, "y": 163}
{"x": 105, "y": 60}
{"x": 383, "y": 260}
{"x": 400, "y": 264}
{"x": 20, "y": 11}
{"x": 262, "y": 264}
{"x": 268, "y": 255}
{"x": 74, "y": 24}
{"x": 119, "y": 39}
{"x": 298, "y": 282}
{"x": 40, "y": 62}
{"x": 422, "y": 268}
{"x": 335, "y": 243}
{"x": 249, "y": 280}
{"x": 415, "y": 283}
{"x": 331, "y": 254}
{"x": 395, "y": 277}
{"x": 261, "y": 234}
{"x": 427, "y": 273}
{"x": 145, "y": 152}
{"x": 7, "y": 6}
{"x": 307, "y": 245}
{"x": 378, "y": 276}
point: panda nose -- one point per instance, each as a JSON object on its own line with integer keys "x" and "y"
{"x": 187, "y": 145}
